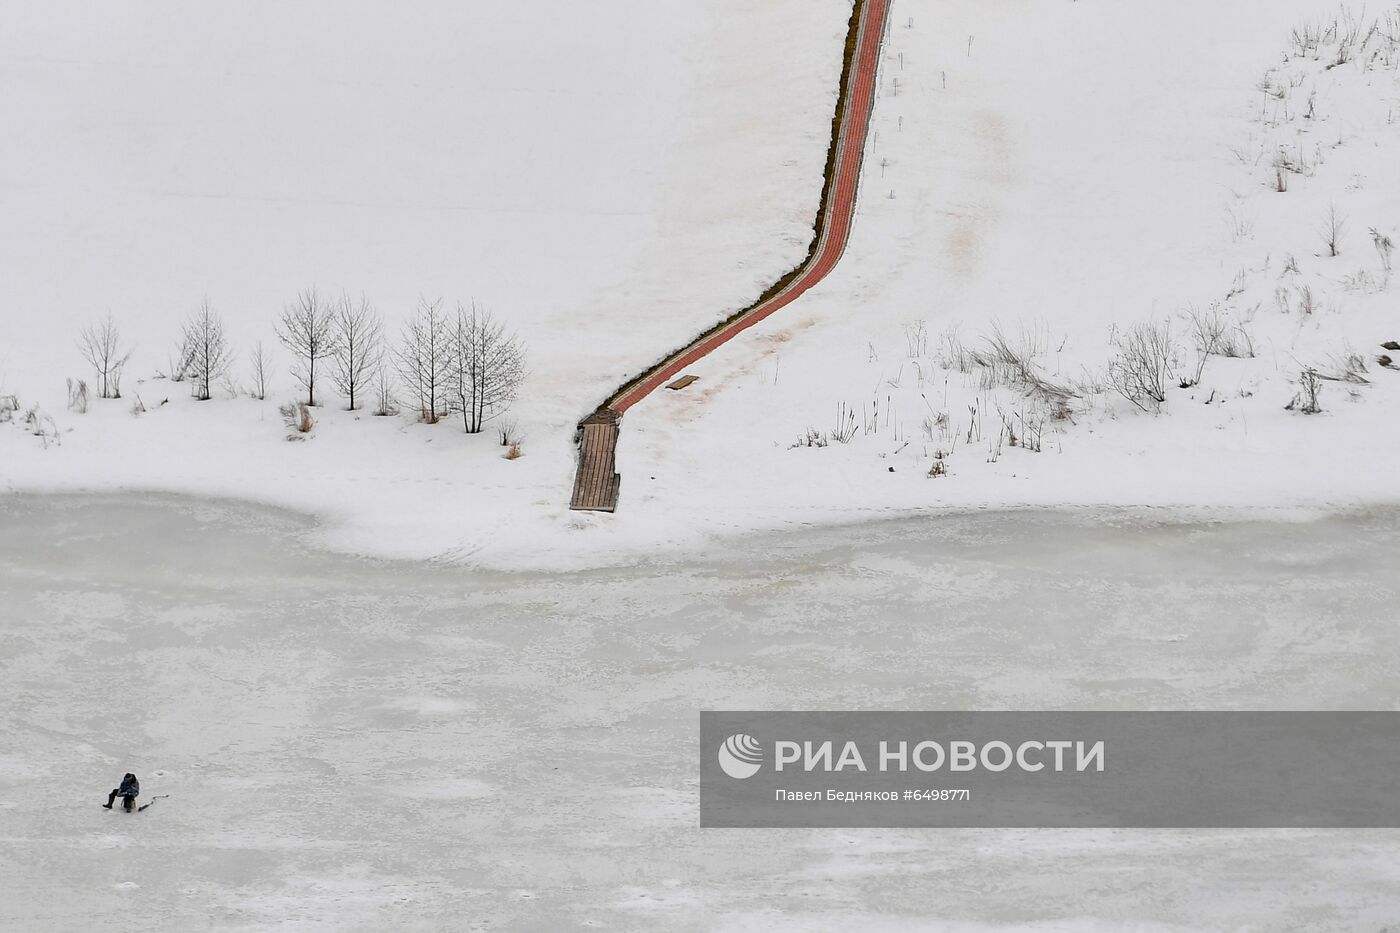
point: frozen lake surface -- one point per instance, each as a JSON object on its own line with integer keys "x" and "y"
{"x": 351, "y": 744}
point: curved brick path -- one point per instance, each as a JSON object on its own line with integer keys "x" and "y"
{"x": 596, "y": 485}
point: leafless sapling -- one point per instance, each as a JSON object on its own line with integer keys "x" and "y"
{"x": 207, "y": 350}
{"x": 488, "y": 367}
{"x": 916, "y": 339}
{"x": 260, "y": 363}
{"x": 1208, "y": 331}
{"x": 1333, "y": 226}
{"x": 359, "y": 349}
{"x": 1385, "y": 246}
{"x": 424, "y": 359}
{"x": 100, "y": 343}
{"x": 384, "y": 402}
{"x": 307, "y": 330}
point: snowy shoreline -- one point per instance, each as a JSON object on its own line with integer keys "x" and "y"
{"x": 319, "y": 533}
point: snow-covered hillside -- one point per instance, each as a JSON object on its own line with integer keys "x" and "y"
{"x": 1080, "y": 174}
{"x": 1062, "y": 171}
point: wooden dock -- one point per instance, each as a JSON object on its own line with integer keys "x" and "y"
{"x": 597, "y": 483}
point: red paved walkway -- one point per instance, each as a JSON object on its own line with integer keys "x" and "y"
{"x": 839, "y": 204}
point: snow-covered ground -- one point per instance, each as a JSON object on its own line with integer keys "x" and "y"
{"x": 358, "y": 745}
{"x": 1086, "y": 167}
{"x": 541, "y": 158}
{"x": 1058, "y": 169}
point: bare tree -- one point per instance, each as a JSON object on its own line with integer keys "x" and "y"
{"x": 1208, "y": 331}
{"x": 1384, "y": 247}
{"x": 1141, "y": 370}
{"x": 488, "y": 366}
{"x": 424, "y": 359}
{"x": 100, "y": 343}
{"x": 307, "y": 330}
{"x": 1332, "y": 229}
{"x": 385, "y": 403}
{"x": 260, "y": 363}
{"x": 207, "y": 350}
{"x": 359, "y": 349}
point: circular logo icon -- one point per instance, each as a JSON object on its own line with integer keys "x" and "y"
{"x": 741, "y": 756}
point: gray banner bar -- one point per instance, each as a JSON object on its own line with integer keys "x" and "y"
{"x": 1050, "y": 769}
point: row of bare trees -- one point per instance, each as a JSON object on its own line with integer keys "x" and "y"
{"x": 463, "y": 362}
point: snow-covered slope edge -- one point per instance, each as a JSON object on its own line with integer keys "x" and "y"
{"x": 1054, "y": 169}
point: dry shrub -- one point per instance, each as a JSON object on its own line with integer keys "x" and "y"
{"x": 1143, "y": 367}
{"x": 77, "y": 396}
{"x": 1308, "y": 400}
{"x": 297, "y": 417}
{"x": 1347, "y": 366}
{"x": 41, "y": 426}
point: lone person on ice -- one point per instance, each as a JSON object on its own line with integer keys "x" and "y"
{"x": 129, "y": 791}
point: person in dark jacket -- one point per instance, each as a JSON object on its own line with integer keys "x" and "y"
{"x": 128, "y": 792}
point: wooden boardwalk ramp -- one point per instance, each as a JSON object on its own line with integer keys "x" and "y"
{"x": 597, "y": 483}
